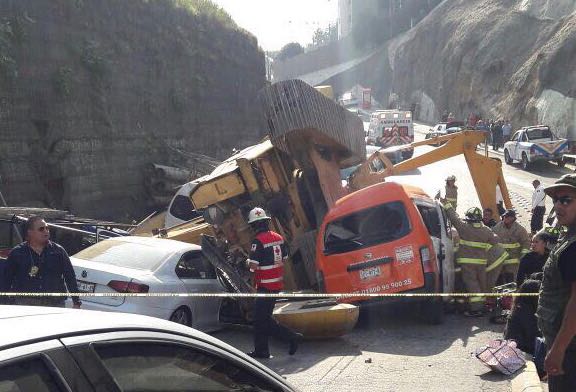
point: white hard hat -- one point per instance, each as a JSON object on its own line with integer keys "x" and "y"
{"x": 451, "y": 178}
{"x": 257, "y": 214}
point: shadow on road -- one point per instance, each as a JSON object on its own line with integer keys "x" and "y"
{"x": 545, "y": 169}
{"x": 391, "y": 329}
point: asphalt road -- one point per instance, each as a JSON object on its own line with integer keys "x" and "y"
{"x": 395, "y": 351}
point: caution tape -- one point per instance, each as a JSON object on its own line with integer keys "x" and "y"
{"x": 269, "y": 295}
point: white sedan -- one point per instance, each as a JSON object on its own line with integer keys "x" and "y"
{"x": 149, "y": 265}
{"x": 54, "y": 349}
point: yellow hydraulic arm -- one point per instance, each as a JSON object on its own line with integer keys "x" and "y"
{"x": 486, "y": 172}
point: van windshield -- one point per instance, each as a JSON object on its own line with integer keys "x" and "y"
{"x": 384, "y": 223}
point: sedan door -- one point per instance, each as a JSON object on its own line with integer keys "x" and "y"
{"x": 157, "y": 361}
{"x": 199, "y": 276}
{"x": 40, "y": 367}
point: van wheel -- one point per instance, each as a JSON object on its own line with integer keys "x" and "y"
{"x": 525, "y": 163}
{"x": 561, "y": 163}
{"x": 432, "y": 310}
{"x": 507, "y": 158}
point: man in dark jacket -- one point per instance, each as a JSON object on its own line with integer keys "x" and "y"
{"x": 521, "y": 325}
{"x": 557, "y": 302}
{"x": 39, "y": 265}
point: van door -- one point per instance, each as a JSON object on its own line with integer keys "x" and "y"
{"x": 447, "y": 260}
{"x": 437, "y": 225}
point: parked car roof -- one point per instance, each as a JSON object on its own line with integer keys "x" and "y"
{"x": 23, "y": 322}
{"x": 168, "y": 245}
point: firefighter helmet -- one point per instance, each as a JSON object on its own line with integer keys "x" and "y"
{"x": 474, "y": 214}
{"x": 257, "y": 214}
{"x": 549, "y": 235}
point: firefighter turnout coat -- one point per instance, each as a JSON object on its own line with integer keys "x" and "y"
{"x": 514, "y": 239}
{"x": 478, "y": 246}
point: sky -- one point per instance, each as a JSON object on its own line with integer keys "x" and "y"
{"x": 278, "y": 22}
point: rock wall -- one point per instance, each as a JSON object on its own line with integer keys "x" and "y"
{"x": 93, "y": 91}
{"x": 500, "y": 58}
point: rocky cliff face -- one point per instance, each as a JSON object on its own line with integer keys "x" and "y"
{"x": 91, "y": 92}
{"x": 501, "y": 58}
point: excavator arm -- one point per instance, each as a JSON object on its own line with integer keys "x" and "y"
{"x": 486, "y": 172}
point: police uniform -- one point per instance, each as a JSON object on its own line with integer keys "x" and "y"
{"x": 516, "y": 241}
{"x": 480, "y": 257}
{"x": 268, "y": 252}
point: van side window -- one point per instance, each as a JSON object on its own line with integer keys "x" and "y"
{"x": 431, "y": 220}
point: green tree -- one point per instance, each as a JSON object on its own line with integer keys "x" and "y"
{"x": 290, "y": 50}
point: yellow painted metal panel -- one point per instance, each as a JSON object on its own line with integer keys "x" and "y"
{"x": 218, "y": 190}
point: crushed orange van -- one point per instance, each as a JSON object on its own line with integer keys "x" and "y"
{"x": 386, "y": 238}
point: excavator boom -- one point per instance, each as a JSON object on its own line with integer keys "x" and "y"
{"x": 486, "y": 172}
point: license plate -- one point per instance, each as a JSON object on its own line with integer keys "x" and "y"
{"x": 85, "y": 287}
{"x": 370, "y": 273}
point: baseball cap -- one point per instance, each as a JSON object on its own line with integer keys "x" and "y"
{"x": 566, "y": 181}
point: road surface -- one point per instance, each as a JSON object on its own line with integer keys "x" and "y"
{"x": 395, "y": 351}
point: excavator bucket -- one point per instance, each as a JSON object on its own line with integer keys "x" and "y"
{"x": 298, "y": 116}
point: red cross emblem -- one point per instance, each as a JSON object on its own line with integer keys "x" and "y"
{"x": 258, "y": 213}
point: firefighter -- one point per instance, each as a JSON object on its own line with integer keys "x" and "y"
{"x": 479, "y": 256}
{"x": 452, "y": 191}
{"x": 267, "y": 256}
{"x": 514, "y": 238}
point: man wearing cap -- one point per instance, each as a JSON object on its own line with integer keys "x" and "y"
{"x": 538, "y": 207}
{"x": 557, "y": 302}
{"x": 514, "y": 238}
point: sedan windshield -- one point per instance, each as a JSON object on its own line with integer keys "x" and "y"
{"x": 124, "y": 254}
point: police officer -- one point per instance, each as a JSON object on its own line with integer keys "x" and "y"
{"x": 479, "y": 256}
{"x": 39, "y": 265}
{"x": 514, "y": 238}
{"x": 557, "y": 302}
{"x": 267, "y": 255}
{"x": 452, "y": 191}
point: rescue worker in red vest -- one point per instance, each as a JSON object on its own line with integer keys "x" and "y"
{"x": 514, "y": 238}
{"x": 267, "y": 256}
{"x": 480, "y": 256}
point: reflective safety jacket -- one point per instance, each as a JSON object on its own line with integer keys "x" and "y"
{"x": 478, "y": 244}
{"x": 268, "y": 252}
{"x": 514, "y": 239}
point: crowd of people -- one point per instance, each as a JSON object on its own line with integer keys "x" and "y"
{"x": 499, "y": 130}
{"x": 542, "y": 261}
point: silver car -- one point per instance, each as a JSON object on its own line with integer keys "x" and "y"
{"x": 56, "y": 349}
{"x": 149, "y": 265}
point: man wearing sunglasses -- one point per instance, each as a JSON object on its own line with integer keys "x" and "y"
{"x": 557, "y": 303}
{"x": 39, "y": 265}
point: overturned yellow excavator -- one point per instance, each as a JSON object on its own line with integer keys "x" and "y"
{"x": 295, "y": 174}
